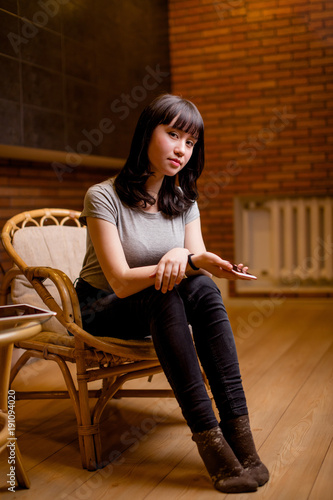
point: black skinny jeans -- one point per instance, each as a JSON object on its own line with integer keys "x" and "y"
{"x": 165, "y": 317}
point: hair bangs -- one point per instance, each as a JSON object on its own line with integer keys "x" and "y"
{"x": 188, "y": 118}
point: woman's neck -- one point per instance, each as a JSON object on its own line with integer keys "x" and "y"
{"x": 152, "y": 187}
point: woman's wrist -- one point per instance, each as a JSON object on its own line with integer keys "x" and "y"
{"x": 192, "y": 261}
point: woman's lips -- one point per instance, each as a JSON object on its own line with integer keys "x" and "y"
{"x": 175, "y": 161}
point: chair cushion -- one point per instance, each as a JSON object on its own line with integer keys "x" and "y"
{"x": 60, "y": 247}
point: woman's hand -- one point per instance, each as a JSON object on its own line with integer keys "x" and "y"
{"x": 219, "y": 267}
{"x": 213, "y": 264}
{"x": 171, "y": 269}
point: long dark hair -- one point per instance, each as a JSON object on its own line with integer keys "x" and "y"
{"x": 131, "y": 180}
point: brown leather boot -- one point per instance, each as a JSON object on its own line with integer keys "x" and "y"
{"x": 238, "y": 434}
{"x": 225, "y": 470}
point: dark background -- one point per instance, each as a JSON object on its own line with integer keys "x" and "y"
{"x": 64, "y": 63}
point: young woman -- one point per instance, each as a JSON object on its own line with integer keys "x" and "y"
{"x": 147, "y": 273}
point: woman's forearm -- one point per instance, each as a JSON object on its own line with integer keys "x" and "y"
{"x": 132, "y": 281}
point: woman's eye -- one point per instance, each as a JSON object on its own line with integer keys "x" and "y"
{"x": 190, "y": 144}
{"x": 173, "y": 134}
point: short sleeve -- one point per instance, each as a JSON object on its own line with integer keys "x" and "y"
{"x": 99, "y": 203}
{"x": 192, "y": 213}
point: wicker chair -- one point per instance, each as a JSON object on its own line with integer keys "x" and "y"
{"x": 47, "y": 248}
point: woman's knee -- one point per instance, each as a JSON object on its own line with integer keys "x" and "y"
{"x": 199, "y": 285}
{"x": 166, "y": 303}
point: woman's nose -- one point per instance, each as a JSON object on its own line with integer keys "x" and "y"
{"x": 180, "y": 148}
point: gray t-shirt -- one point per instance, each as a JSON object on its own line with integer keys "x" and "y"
{"x": 145, "y": 236}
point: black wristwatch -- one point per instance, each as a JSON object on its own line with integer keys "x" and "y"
{"x": 190, "y": 263}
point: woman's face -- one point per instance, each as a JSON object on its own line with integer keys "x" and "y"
{"x": 169, "y": 150}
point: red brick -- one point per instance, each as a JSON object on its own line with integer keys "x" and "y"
{"x": 326, "y": 14}
{"x": 297, "y": 184}
{"x": 308, "y": 54}
{"x": 291, "y": 30}
{"x": 294, "y": 2}
{"x": 322, "y": 61}
{"x": 263, "y": 84}
{"x": 297, "y": 167}
{"x": 246, "y": 28}
{"x": 277, "y": 23}
{"x": 285, "y": 56}
{"x": 308, "y": 8}
{"x": 277, "y": 11}
{"x": 293, "y": 47}
{"x": 261, "y": 34}
{"x": 281, "y": 176}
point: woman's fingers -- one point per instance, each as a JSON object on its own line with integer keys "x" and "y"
{"x": 172, "y": 276}
{"x": 159, "y": 275}
{"x": 170, "y": 270}
{"x": 167, "y": 276}
{"x": 227, "y": 266}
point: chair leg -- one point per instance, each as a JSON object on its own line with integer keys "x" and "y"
{"x": 73, "y": 393}
{"x": 86, "y": 429}
{"x": 21, "y": 476}
{"x": 80, "y": 401}
{"x": 23, "y": 359}
{"x": 109, "y": 389}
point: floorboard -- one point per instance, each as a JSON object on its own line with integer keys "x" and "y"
{"x": 285, "y": 349}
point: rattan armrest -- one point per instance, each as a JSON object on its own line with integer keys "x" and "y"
{"x": 70, "y": 310}
{"x": 6, "y": 284}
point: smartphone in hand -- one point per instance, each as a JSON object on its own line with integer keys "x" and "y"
{"x": 243, "y": 274}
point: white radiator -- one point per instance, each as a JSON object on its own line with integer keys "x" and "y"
{"x": 285, "y": 241}
{"x": 302, "y": 239}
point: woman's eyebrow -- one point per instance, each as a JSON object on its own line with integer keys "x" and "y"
{"x": 184, "y": 131}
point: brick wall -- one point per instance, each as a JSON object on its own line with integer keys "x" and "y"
{"x": 27, "y": 185}
{"x": 261, "y": 73}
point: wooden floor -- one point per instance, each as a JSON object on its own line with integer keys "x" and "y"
{"x": 286, "y": 355}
